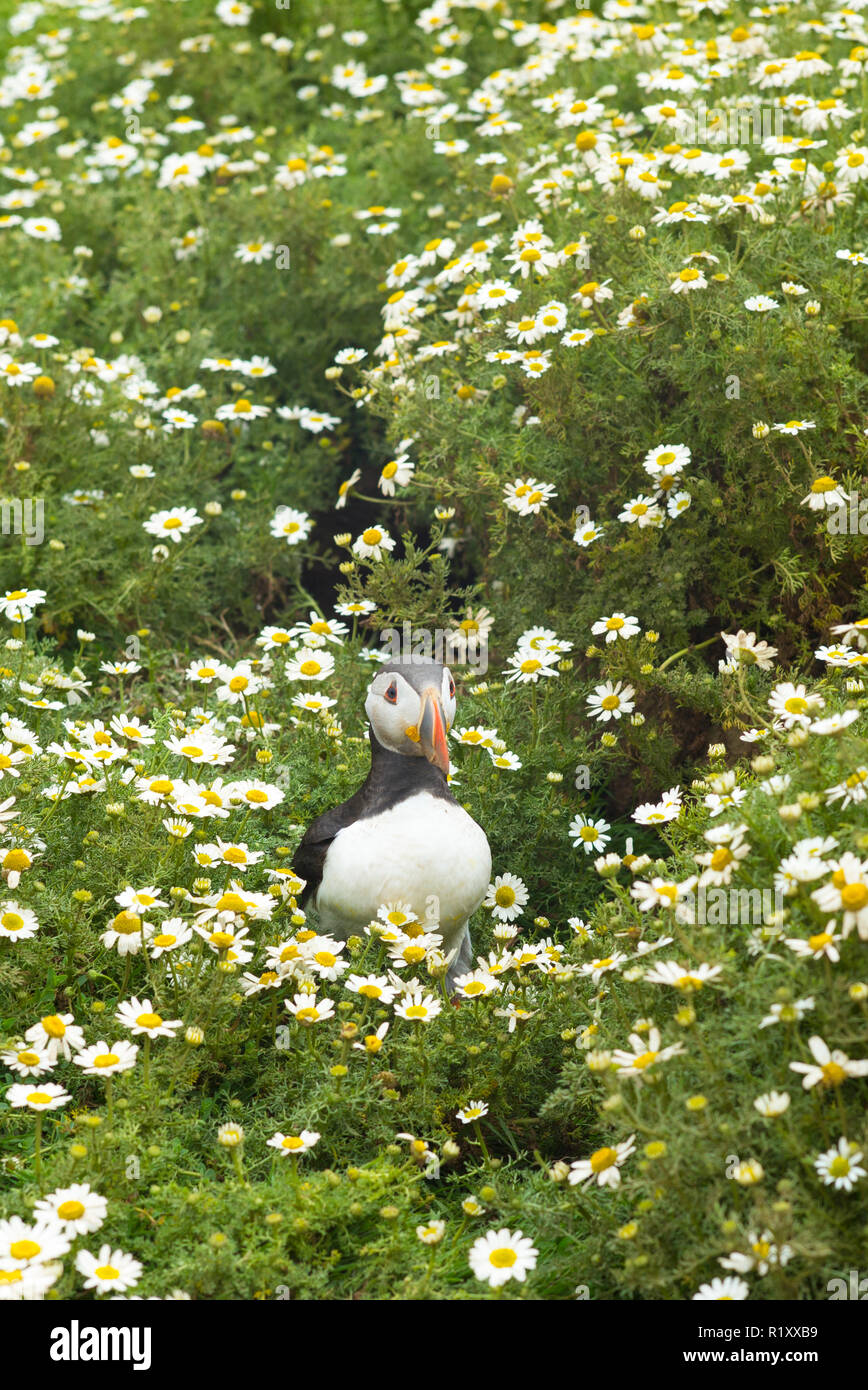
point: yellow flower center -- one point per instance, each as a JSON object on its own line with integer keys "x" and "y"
{"x": 603, "y": 1159}
{"x": 644, "y": 1060}
{"x": 292, "y": 1141}
{"x": 11, "y": 921}
{"x": 503, "y": 1257}
{"x": 796, "y": 705}
{"x": 231, "y": 902}
{"x": 54, "y": 1025}
{"x": 854, "y": 896}
{"x": 70, "y": 1210}
{"x": 107, "y": 1059}
{"x": 149, "y": 1021}
{"x": 24, "y": 1249}
{"x": 372, "y": 536}
{"x": 833, "y": 1074}
{"x": 818, "y": 942}
{"x": 126, "y": 923}
{"x": 106, "y": 1272}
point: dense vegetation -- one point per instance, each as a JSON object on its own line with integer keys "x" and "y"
{"x": 538, "y": 327}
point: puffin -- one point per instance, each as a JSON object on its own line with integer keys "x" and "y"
{"x": 402, "y": 837}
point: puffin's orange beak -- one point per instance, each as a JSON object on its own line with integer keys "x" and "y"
{"x": 432, "y": 729}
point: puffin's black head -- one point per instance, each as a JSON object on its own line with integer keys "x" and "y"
{"x": 411, "y": 705}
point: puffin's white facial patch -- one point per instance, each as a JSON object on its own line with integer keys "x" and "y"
{"x": 394, "y": 708}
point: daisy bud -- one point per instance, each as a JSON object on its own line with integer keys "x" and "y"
{"x": 608, "y": 865}
{"x": 858, "y": 992}
{"x": 501, "y": 185}
{"x": 760, "y": 430}
{"x": 152, "y": 314}
{"x": 194, "y": 1036}
{"x": 333, "y": 373}
{"x": 763, "y": 764}
{"x": 609, "y": 740}
{"x": 559, "y": 1172}
{"x": 716, "y": 750}
{"x": 797, "y": 737}
{"x": 230, "y": 1135}
{"x": 637, "y": 233}
{"x": 213, "y": 509}
{"x": 748, "y": 1173}
{"x": 790, "y": 813}
{"x": 449, "y": 1150}
{"x": 43, "y": 386}
{"x": 812, "y": 309}
{"x": 598, "y": 1061}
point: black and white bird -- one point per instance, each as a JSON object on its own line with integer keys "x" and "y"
{"x": 402, "y": 837}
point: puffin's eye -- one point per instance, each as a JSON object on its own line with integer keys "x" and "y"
{"x": 392, "y": 694}
{"x": 451, "y": 688}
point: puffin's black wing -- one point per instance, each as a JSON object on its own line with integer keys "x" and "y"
{"x": 310, "y": 856}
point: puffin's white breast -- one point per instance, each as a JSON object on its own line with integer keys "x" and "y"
{"x": 422, "y": 849}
